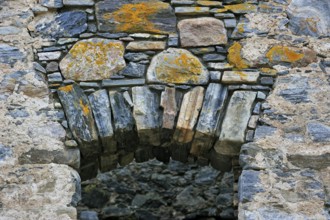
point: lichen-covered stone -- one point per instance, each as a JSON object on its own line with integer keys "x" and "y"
{"x": 80, "y": 118}
{"x": 235, "y": 58}
{"x": 192, "y": 10}
{"x": 137, "y": 16}
{"x": 188, "y": 116}
{"x": 202, "y": 32}
{"x": 146, "y": 45}
{"x": 243, "y": 8}
{"x": 309, "y": 17}
{"x": 147, "y": 115}
{"x": 93, "y": 59}
{"x": 232, "y": 132}
{"x": 65, "y": 24}
{"x": 177, "y": 66}
{"x": 229, "y": 77}
{"x": 209, "y": 119}
{"x": 134, "y": 70}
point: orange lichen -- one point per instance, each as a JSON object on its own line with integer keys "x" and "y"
{"x": 234, "y": 56}
{"x": 180, "y": 69}
{"x": 269, "y": 71}
{"x": 132, "y": 18}
{"x": 283, "y": 54}
{"x": 84, "y": 107}
{"x": 241, "y": 8}
{"x": 68, "y": 88}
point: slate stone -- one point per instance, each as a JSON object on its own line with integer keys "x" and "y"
{"x": 55, "y": 77}
{"x": 209, "y": 120}
{"x": 9, "y": 54}
{"x": 188, "y": 116}
{"x": 295, "y": 95}
{"x": 80, "y": 119}
{"x": 170, "y": 108}
{"x": 100, "y": 104}
{"x": 9, "y": 30}
{"x": 202, "y": 32}
{"x": 243, "y": 30}
{"x": 137, "y": 16}
{"x": 309, "y": 17}
{"x": 318, "y": 132}
{"x": 134, "y": 70}
{"x": 123, "y": 82}
{"x": 51, "y": 3}
{"x": 202, "y": 50}
{"x": 249, "y": 185}
{"x": 232, "y": 77}
{"x": 213, "y": 57}
{"x": 135, "y": 57}
{"x": 238, "y": 113}
{"x": 182, "y": 2}
{"x": 146, "y": 45}
{"x": 220, "y": 66}
{"x": 147, "y": 115}
{"x": 318, "y": 162}
{"x": 65, "y": 24}
{"x": 52, "y": 67}
{"x": 5, "y": 152}
{"x": 177, "y": 66}
{"x": 267, "y": 80}
{"x": 88, "y": 215}
{"x": 124, "y": 122}
{"x": 215, "y": 76}
{"x": 192, "y": 10}
{"x": 93, "y": 59}
{"x": 78, "y": 2}
{"x": 230, "y": 23}
{"x": 263, "y": 131}
{"x": 46, "y": 56}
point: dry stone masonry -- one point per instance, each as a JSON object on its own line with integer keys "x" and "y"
{"x": 238, "y": 85}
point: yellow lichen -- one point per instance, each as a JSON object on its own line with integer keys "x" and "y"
{"x": 132, "y": 18}
{"x": 283, "y": 54}
{"x": 240, "y": 28}
{"x": 84, "y": 107}
{"x": 234, "y": 56}
{"x": 209, "y": 3}
{"x": 68, "y": 88}
{"x": 269, "y": 71}
{"x": 244, "y": 7}
{"x": 220, "y": 10}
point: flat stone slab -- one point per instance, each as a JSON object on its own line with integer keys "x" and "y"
{"x": 147, "y": 115}
{"x": 192, "y": 10}
{"x": 135, "y": 16}
{"x": 231, "y": 77}
{"x": 209, "y": 119}
{"x": 232, "y": 132}
{"x": 202, "y": 32}
{"x": 188, "y": 116}
{"x": 100, "y": 104}
{"x": 177, "y": 66}
{"x": 78, "y": 2}
{"x": 93, "y": 59}
{"x": 169, "y": 104}
{"x": 146, "y": 45}
{"x": 80, "y": 119}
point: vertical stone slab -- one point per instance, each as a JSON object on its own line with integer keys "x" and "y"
{"x": 80, "y": 119}
{"x": 100, "y": 104}
{"x": 123, "y": 121}
{"x": 209, "y": 119}
{"x": 232, "y": 134}
{"x": 169, "y": 104}
{"x": 147, "y": 115}
{"x": 188, "y": 116}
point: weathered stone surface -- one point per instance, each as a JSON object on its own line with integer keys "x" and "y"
{"x": 134, "y": 70}
{"x": 177, "y": 66}
{"x": 169, "y": 104}
{"x": 309, "y": 17}
{"x": 192, "y": 10}
{"x": 100, "y": 104}
{"x": 239, "y": 77}
{"x": 78, "y": 2}
{"x": 219, "y": 66}
{"x": 46, "y": 56}
{"x": 5, "y": 153}
{"x": 146, "y": 45}
{"x": 137, "y": 16}
{"x": 318, "y": 132}
{"x": 188, "y": 116}
{"x": 213, "y": 57}
{"x": 202, "y": 32}
{"x": 243, "y": 8}
{"x": 147, "y": 115}
{"x": 9, "y": 30}
{"x": 235, "y": 58}
{"x": 233, "y": 128}
{"x": 313, "y": 161}
{"x": 209, "y": 119}
{"x": 52, "y": 3}
{"x": 55, "y": 77}
{"x": 123, "y": 121}
{"x": 123, "y": 82}
{"x": 80, "y": 118}
{"x": 66, "y": 24}
{"x": 249, "y": 185}
{"x": 135, "y": 57}
{"x": 9, "y": 54}
{"x": 93, "y": 59}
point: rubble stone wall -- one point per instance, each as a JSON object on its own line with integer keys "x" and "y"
{"x": 235, "y": 84}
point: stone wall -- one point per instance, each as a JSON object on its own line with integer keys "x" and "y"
{"x": 92, "y": 84}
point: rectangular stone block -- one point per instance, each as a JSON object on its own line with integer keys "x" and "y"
{"x": 123, "y": 82}
{"x": 78, "y": 2}
{"x": 192, "y": 10}
{"x": 146, "y": 45}
{"x": 240, "y": 77}
{"x": 45, "y": 56}
{"x": 232, "y": 134}
{"x": 100, "y": 104}
{"x": 169, "y": 104}
{"x": 209, "y": 119}
{"x": 147, "y": 115}
{"x": 188, "y": 116}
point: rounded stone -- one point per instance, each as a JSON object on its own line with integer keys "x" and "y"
{"x": 93, "y": 59}
{"x": 202, "y": 32}
{"x": 177, "y": 66}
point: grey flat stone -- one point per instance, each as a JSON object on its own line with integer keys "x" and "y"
{"x": 238, "y": 113}
{"x": 134, "y": 70}
{"x": 170, "y": 106}
{"x": 55, "y": 77}
{"x": 9, "y": 30}
{"x": 100, "y": 104}
{"x": 249, "y": 185}
{"x": 231, "y": 77}
{"x": 46, "y": 56}
{"x": 318, "y": 132}
{"x": 135, "y": 57}
{"x": 123, "y": 82}
{"x": 213, "y": 57}
{"x": 192, "y": 10}
{"x": 79, "y": 2}
{"x": 51, "y": 3}
{"x": 9, "y": 54}
{"x": 264, "y": 131}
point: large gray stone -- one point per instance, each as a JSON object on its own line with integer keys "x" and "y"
{"x": 209, "y": 119}
{"x": 147, "y": 115}
{"x": 238, "y": 113}
{"x": 177, "y": 66}
{"x": 202, "y": 32}
{"x": 309, "y": 17}
{"x": 80, "y": 118}
{"x": 318, "y": 132}
{"x": 100, "y": 104}
{"x": 135, "y": 16}
{"x": 93, "y": 59}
